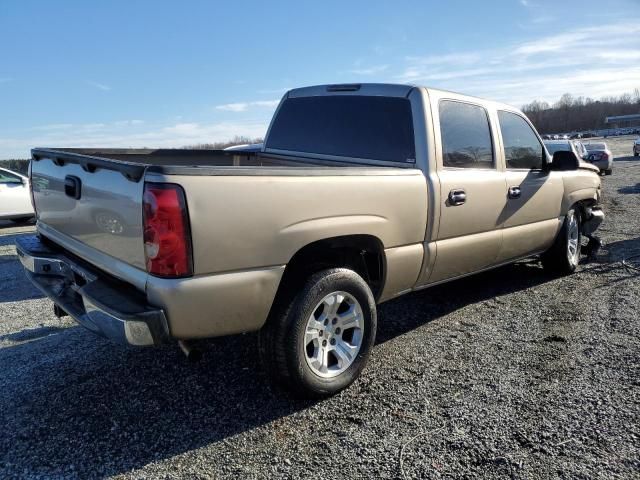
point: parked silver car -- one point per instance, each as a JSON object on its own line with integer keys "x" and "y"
{"x": 600, "y": 156}
{"x": 578, "y": 148}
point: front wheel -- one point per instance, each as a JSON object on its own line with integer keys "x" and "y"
{"x": 564, "y": 254}
{"x": 317, "y": 344}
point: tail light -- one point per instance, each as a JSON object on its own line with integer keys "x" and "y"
{"x": 167, "y": 237}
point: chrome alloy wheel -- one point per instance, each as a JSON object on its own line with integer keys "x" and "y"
{"x": 573, "y": 237}
{"x": 333, "y": 335}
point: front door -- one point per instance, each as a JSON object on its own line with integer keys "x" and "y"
{"x": 534, "y": 195}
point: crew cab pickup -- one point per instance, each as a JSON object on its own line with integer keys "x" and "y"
{"x": 359, "y": 193}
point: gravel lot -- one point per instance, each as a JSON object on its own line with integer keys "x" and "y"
{"x": 508, "y": 374}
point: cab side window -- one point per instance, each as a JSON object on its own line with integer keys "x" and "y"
{"x": 522, "y": 149}
{"x": 466, "y": 136}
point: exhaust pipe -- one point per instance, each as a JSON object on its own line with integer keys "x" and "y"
{"x": 193, "y": 354}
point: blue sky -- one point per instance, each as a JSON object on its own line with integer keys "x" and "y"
{"x": 168, "y": 74}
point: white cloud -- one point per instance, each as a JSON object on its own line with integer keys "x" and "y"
{"x": 233, "y": 107}
{"x": 373, "y": 70}
{"x": 580, "y": 61}
{"x": 244, "y": 106}
{"x": 128, "y": 123}
{"x": 100, "y": 86}
{"x": 54, "y": 126}
{"x": 113, "y": 135}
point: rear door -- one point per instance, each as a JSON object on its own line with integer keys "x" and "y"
{"x": 472, "y": 189}
{"x": 534, "y": 195}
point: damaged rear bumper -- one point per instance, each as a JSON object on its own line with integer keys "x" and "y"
{"x": 93, "y": 299}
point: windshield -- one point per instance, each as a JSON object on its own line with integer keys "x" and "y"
{"x": 596, "y": 146}
{"x": 558, "y": 147}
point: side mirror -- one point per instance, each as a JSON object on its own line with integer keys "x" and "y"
{"x": 564, "y": 160}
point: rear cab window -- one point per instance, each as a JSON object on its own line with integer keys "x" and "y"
{"x": 466, "y": 135}
{"x": 522, "y": 149}
{"x": 351, "y": 126}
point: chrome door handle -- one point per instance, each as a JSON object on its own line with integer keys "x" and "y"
{"x": 514, "y": 192}
{"x": 457, "y": 197}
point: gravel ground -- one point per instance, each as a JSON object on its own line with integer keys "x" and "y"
{"x": 508, "y": 374}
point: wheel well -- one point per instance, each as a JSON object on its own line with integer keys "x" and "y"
{"x": 363, "y": 254}
{"x": 584, "y": 206}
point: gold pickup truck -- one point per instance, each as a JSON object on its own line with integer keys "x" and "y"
{"x": 359, "y": 193}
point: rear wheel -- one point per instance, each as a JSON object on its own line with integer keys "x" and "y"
{"x": 318, "y": 343}
{"x": 564, "y": 254}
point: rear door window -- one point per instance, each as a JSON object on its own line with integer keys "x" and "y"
{"x": 466, "y": 136}
{"x": 522, "y": 149}
{"x": 355, "y": 126}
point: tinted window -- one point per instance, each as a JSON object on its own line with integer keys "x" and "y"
{"x": 522, "y": 149}
{"x": 376, "y": 128}
{"x": 596, "y": 146}
{"x": 466, "y": 137}
{"x": 558, "y": 147}
{"x": 6, "y": 177}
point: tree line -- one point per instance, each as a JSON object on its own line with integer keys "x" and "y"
{"x": 237, "y": 140}
{"x": 578, "y": 114}
{"x": 15, "y": 165}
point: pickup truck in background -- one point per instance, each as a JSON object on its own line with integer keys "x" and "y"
{"x": 359, "y": 193}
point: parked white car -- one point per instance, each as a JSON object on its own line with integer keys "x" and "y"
{"x": 15, "y": 199}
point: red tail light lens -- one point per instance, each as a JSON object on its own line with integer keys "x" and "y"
{"x": 167, "y": 238}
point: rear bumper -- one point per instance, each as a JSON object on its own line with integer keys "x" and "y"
{"x": 95, "y": 301}
{"x": 603, "y": 164}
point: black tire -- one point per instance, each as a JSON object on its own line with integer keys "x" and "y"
{"x": 608, "y": 171}
{"x": 558, "y": 259}
{"x": 282, "y": 340}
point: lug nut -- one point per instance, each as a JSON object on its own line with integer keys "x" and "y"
{"x": 324, "y": 343}
{"x": 333, "y": 341}
{"x": 321, "y": 333}
{"x": 338, "y": 331}
{"x": 334, "y": 321}
{"x": 326, "y": 322}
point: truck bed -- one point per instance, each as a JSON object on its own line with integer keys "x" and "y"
{"x": 132, "y": 163}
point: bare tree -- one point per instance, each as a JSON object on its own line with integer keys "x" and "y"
{"x": 579, "y": 114}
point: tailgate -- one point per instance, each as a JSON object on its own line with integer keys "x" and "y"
{"x": 95, "y": 201}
